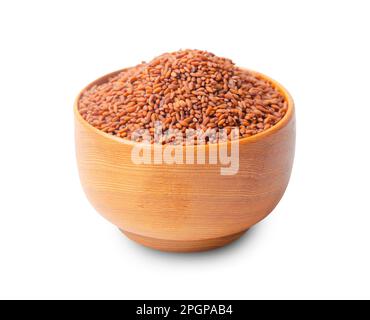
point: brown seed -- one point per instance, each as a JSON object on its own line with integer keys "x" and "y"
{"x": 182, "y": 103}
{"x": 157, "y": 90}
{"x": 131, "y": 109}
{"x": 148, "y": 117}
{"x": 222, "y": 106}
{"x": 221, "y": 111}
{"x": 261, "y": 108}
{"x": 167, "y": 121}
{"x": 208, "y": 112}
{"x": 189, "y": 103}
{"x": 205, "y": 121}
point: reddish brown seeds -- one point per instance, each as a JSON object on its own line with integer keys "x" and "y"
{"x": 184, "y": 89}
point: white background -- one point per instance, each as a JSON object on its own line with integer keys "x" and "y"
{"x": 314, "y": 245}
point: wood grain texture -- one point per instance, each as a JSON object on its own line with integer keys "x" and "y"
{"x": 184, "y": 245}
{"x": 185, "y": 207}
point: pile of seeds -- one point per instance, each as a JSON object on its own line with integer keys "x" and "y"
{"x": 187, "y": 89}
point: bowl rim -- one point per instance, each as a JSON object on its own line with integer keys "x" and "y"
{"x": 284, "y": 121}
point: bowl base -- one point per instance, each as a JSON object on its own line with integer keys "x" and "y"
{"x": 183, "y": 245}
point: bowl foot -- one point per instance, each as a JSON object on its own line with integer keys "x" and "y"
{"x": 183, "y": 245}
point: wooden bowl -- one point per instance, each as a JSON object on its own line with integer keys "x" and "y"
{"x": 185, "y": 208}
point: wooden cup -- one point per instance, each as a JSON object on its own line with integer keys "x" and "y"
{"x": 185, "y": 207}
